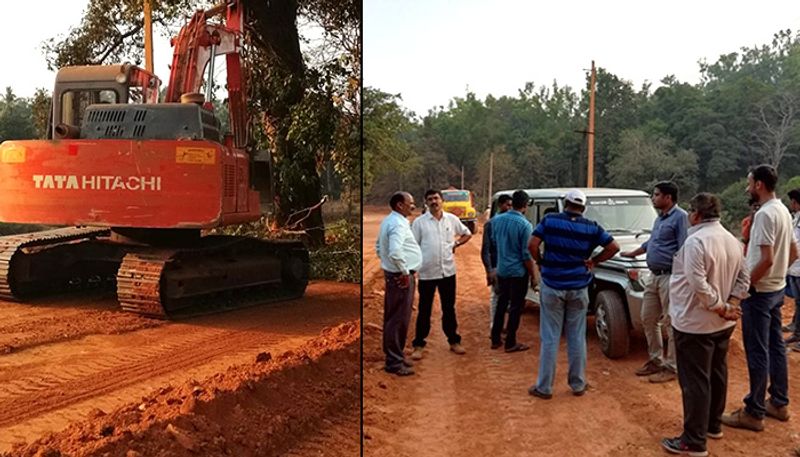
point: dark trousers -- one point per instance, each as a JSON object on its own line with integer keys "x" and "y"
{"x": 512, "y": 297}
{"x": 447, "y": 296}
{"x": 793, "y": 284}
{"x": 396, "y": 317}
{"x": 765, "y": 350}
{"x": 703, "y": 376}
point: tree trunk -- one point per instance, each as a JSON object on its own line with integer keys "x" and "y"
{"x": 277, "y": 74}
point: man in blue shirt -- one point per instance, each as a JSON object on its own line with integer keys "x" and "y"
{"x": 669, "y": 232}
{"x": 566, "y": 267}
{"x": 489, "y": 255}
{"x": 511, "y": 233}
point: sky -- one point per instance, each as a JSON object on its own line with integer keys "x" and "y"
{"x": 430, "y": 51}
{"x": 23, "y": 67}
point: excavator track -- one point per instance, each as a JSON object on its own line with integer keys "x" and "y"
{"x": 19, "y": 278}
{"x": 211, "y": 274}
{"x": 222, "y": 273}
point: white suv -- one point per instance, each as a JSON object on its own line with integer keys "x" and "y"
{"x": 618, "y": 287}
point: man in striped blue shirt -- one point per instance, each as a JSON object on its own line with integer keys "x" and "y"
{"x": 569, "y": 240}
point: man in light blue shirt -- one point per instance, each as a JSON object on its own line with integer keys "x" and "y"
{"x": 669, "y": 232}
{"x": 400, "y": 258}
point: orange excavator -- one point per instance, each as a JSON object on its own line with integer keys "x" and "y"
{"x": 136, "y": 184}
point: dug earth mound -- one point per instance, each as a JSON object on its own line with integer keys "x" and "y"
{"x": 294, "y": 403}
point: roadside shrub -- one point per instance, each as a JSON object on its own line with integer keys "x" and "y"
{"x": 340, "y": 258}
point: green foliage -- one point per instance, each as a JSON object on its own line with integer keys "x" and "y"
{"x": 40, "y": 112}
{"x": 386, "y": 150}
{"x": 735, "y": 200}
{"x": 643, "y": 159}
{"x": 15, "y": 117}
{"x": 745, "y": 111}
{"x": 112, "y": 31}
{"x": 340, "y": 258}
{"x": 734, "y": 205}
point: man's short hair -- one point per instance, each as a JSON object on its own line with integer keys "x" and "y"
{"x": 707, "y": 205}
{"x": 397, "y": 197}
{"x": 433, "y": 191}
{"x": 794, "y": 194}
{"x": 668, "y": 188}
{"x": 520, "y": 199}
{"x": 503, "y": 199}
{"x": 766, "y": 174}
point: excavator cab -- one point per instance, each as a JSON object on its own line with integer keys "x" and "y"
{"x": 79, "y": 87}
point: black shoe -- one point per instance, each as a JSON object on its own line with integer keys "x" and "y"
{"x": 519, "y": 347}
{"x": 650, "y": 367}
{"x": 541, "y": 395}
{"x": 677, "y": 446}
{"x": 497, "y": 345}
{"x": 579, "y": 393}
{"x": 402, "y": 371}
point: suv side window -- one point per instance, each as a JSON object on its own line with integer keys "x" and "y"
{"x": 538, "y": 209}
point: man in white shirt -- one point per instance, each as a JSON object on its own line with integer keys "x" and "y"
{"x": 707, "y": 283}
{"x": 769, "y": 254}
{"x": 439, "y": 234}
{"x": 400, "y": 257}
{"x": 793, "y": 279}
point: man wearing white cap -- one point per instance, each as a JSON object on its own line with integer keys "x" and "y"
{"x": 566, "y": 268}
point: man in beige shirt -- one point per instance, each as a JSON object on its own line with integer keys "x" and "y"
{"x": 769, "y": 255}
{"x": 708, "y": 280}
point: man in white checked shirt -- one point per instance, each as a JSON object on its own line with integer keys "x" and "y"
{"x": 439, "y": 234}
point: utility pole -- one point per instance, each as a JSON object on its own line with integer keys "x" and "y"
{"x": 148, "y": 37}
{"x": 491, "y": 169}
{"x": 590, "y": 133}
{"x": 462, "y": 176}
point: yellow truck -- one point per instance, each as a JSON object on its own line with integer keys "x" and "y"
{"x": 461, "y": 203}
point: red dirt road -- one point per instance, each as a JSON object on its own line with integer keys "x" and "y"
{"x": 66, "y": 357}
{"x": 477, "y": 404}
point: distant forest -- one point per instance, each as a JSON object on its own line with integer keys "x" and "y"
{"x": 744, "y": 111}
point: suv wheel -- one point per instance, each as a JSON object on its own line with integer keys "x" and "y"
{"x": 611, "y": 324}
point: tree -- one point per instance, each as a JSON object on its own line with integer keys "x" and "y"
{"x": 40, "y": 112}
{"x": 779, "y": 126}
{"x": 15, "y": 118}
{"x": 617, "y": 110}
{"x": 387, "y": 130}
{"x": 644, "y": 159}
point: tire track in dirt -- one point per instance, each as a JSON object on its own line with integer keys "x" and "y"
{"x": 47, "y": 387}
{"x": 137, "y": 367}
{"x": 301, "y": 401}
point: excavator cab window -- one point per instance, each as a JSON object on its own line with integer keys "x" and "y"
{"x": 143, "y": 87}
{"x": 74, "y": 103}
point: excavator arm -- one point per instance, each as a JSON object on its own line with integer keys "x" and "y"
{"x": 194, "y": 48}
